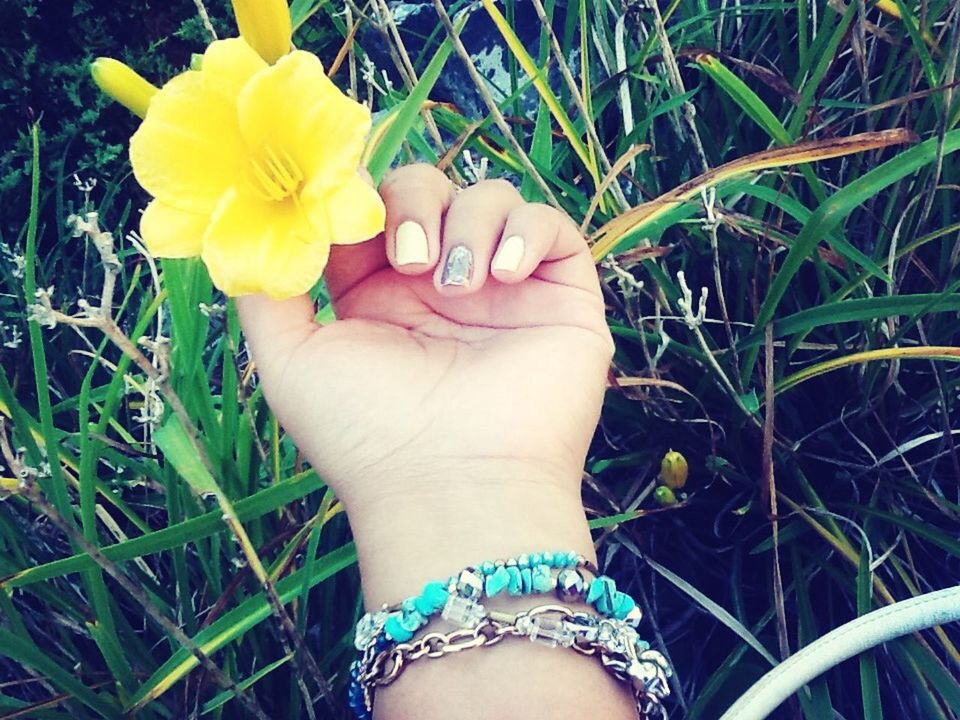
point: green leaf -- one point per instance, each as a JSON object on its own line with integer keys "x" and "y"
{"x": 239, "y": 621}
{"x": 834, "y": 211}
{"x": 263, "y": 502}
{"x": 388, "y": 146}
{"x": 178, "y": 449}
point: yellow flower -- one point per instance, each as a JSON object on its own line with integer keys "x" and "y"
{"x": 673, "y": 470}
{"x": 265, "y": 25}
{"x": 123, "y": 85}
{"x": 254, "y": 168}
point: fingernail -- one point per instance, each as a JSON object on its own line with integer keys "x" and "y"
{"x": 458, "y": 268}
{"x": 510, "y": 254}
{"x": 411, "y": 244}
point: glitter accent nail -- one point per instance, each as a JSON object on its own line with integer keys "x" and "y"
{"x": 458, "y": 269}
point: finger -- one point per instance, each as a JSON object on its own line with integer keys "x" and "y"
{"x": 416, "y": 197}
{"x": 472, "y": 227}
{"x": 541, "y": 241}
{"x": 274, "y": 329}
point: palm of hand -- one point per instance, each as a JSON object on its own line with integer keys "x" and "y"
{"x": 409, "y": 380}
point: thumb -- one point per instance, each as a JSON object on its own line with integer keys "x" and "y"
{"x": 274, "y": 329}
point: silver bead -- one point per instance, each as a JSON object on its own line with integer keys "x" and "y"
{"x": 634, "y": 617}
{"x": 570, "y": 585}
{"x": 470, "y": 584}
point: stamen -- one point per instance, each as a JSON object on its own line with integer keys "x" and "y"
{"x": 275, "y": 176}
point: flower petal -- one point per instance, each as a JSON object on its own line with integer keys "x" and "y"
{"x": 295, "y": 108}
{"x": 188, "y": 151}
{"x": 256, "y": 246}
{"x": 351, "y": 213}
{"x": 172, "y": 233}
{"x": 228, "y": 65}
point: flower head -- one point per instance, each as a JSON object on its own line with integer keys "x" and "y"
{"x": 254, "y": 168}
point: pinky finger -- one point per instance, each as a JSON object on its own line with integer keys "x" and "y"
{"x": 542, "y": 242}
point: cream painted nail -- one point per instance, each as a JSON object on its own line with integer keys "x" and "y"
{"x": 510, "y": 254}
{"x": 411, "y": 244}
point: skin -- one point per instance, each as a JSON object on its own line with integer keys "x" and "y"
{"x": 453, "y": 422}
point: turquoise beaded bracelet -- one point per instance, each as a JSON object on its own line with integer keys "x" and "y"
{"x": 458, "y": 599}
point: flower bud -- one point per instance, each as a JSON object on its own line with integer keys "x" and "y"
{"x": 673, "y": 470}
{"x": 266, "y": 26}
{"x": 664, "y": 496}
{"x": 123, "y": 84}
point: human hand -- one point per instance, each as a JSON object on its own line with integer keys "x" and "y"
{"x": 452, "y": 420}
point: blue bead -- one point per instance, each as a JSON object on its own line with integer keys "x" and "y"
{"x": 526, "y": 581}
{"x": 412, "y": 621}
{"x": 523, "y": 560}
{"x": 487, "y": 567}
{"x": 601, "y": 593}
{"x": 542, "y": 579}
{"x": 408, "y": 605}
{"x": 548, "y": 559}
{"x": 395, "y": 630}
{"x": 570, "y": 559}
{"x": 536, "y": 559}
{"x": 497, "y": 581}
{"x": 432, "y": 599}
{"x": 622, "y": 605}
{"x": 514, "y": 584}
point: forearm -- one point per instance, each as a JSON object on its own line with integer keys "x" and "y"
{"x": 403, "y": 543}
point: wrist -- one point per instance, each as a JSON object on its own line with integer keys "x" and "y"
{"x": 404, "y": 541}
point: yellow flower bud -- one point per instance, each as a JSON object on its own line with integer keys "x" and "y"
{"x": 266, "y": 26}
{"x": 664, "y": 496}
{"x": 673, "y": 470}
{"x": 123, "y": 84}
{"x": 9, "y": 486}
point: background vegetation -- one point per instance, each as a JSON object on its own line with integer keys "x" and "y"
{"x": 824, "y": 481}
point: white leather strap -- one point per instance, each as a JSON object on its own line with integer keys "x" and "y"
{"x": 866, "y": 632}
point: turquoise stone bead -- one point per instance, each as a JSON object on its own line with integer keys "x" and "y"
{"x": 487, "y": 567}
{"x": 514, "y": 583}
{"x": 536, "y": 559}
{"x": 523, "y": 560}
{"x": 412, "y": 621}
{"x": 548, "y": 559}
{"x": 601, "y": 594}
{"x": 541, "y": 579}
{"x": 526, "y": 581}
{"x": 497, "y": 581}
{"x": 432, "y": 599}
{"x": 395, "y": 629}
{"x": 622, "y": 605}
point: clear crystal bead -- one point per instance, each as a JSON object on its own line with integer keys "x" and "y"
{"x": 463, "y": 612}
{"x": 551, "y": 632}
{"x": 368, "y": 628}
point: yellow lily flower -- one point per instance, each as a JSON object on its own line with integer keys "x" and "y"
{"x": 266, "y": 26}
{"x": 123, "y": 84}
{"x": 254, "y": 168}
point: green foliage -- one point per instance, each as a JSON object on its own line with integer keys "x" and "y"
{"x": 836, "y": 258}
